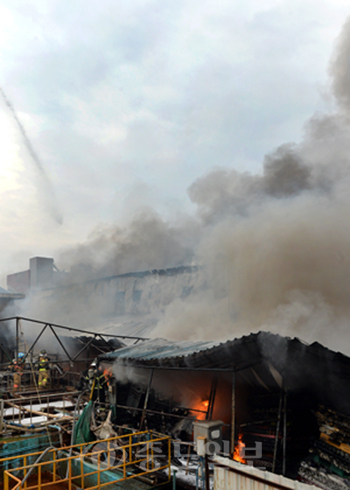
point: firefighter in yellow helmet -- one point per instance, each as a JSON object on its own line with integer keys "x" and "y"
{"x": 44, "y": 370}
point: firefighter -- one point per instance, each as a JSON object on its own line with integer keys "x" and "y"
{"x": 90, "y": 377}
{"x": 16, "y": 367}
{"x": 98, "y": 386}
{"x": 44, "y": 372}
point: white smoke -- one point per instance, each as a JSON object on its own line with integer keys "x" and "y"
{"x": 275, "y": 246}
{"x": 282, "y": 236}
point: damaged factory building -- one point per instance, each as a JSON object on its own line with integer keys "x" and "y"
{"x": 269, "y": 402}
{"x": 124, "y": 410}
{"x": 261, "y": 411}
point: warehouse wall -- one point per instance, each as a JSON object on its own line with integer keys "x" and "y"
{"x": 133, "y": 294}
{"x": 229, "y": 475}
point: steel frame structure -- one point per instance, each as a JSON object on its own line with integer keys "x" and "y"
{"x": 139, "y": 457}
{"x": 54, "y": 328}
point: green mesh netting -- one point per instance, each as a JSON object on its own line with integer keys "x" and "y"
{"x": 114, "y": 413}
{"x": 82, "y": 431}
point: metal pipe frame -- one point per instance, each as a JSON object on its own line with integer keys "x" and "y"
{"x": 156, "y": 412}
{"x": 233, "y": 369}
{"x": 129, "y": 447}
{"x": 73, "y": 329}
{"x": 214, "y": 383}
{"x": 146, "y": 399}
{"x": 277, "y": 433}
{"x": 58, "y": 361}
{"x": 17, "y": 338}
{"x": 60, "y": 342}
{"x": 53, "y": 327}
{"x": 284, "y": 434}
{"x": 85, "y": 347}
{"x": 233, "y": 413}
{"x": 35, "y": 341}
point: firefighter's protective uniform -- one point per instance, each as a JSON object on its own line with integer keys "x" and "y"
{"x": 98, "y": 385}
{"x": 44, "y": 373}
{"x": 16, "y": 367}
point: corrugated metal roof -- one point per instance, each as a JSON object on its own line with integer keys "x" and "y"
{"x": 160, "y": 349}
{"x": 262, "y": 359}
{"x": 196, "y": 353}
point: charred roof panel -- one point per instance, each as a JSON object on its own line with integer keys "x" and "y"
{"x": 263, "y": 359}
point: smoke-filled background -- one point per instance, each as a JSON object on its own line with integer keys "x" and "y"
{"x": 275, "y": 237}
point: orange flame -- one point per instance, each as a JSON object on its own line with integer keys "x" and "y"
{"x": 237, "y": 455}
{"x": 202, "y": 405}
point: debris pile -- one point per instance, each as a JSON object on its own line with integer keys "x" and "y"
{"x": 328, "y": 463}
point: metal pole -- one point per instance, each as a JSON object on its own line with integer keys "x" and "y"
{"x": 277, "y": 433}
{"x": 35, "y": 341}
{"x": 206, "y": 469}
{"x": 84, "y": 348}
{"x": 72, "y": 329}
{"x": 17, "y": 338}
{"x": 163, "y": 414}
{"x": 146, "y": 399}
{"x": 194, "y": 369}
{"x": 284, "y": 434}
{"x": 233, "y": 412}
{"x": 105, "y": 341}
{"x": 60, "y": 342}
{"x": 174, "y": 479}
{"x": 212, "y": 398}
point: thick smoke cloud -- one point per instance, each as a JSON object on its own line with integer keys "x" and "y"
{"x": 282, "y": 236}
{"x": 274, "y": 247}
{"x": 282, "y": 242}
{"x": 229, "y": 193}
{"x": 148, "y": 242}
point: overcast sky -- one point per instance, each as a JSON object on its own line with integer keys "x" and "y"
{"x": 127, "y": 103}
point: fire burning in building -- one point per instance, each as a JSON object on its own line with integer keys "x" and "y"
{"x": 239, "y": 450}
{"x": 265, "y": 400}
{"x": 200, "y": 410}
{"x": 258, "y": 407}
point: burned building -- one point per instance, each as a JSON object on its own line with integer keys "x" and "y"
{"x": 286, "y": 403}
{"x": 276, "y": 404}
